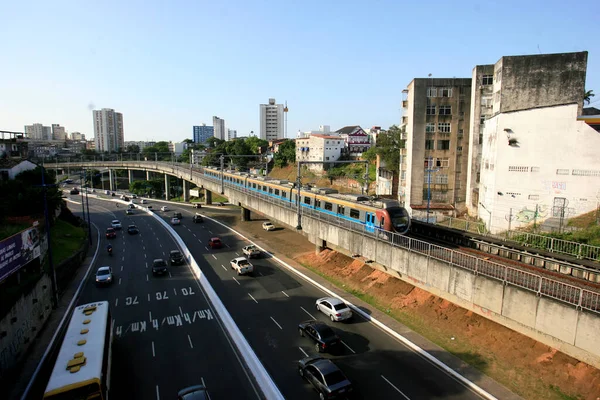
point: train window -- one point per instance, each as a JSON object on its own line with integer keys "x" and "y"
{"x": 276, "y": 192}
{"x": 318, "y": 203}
{"x": 264, "y": 188}
{"x": 270, "y": 190}
{"x": 341, "y": 210}
{"x": 306, "y": 200}
{"x": 328, "y": 206}
{"x": 284, "y": 194}
{"x": 354, "y": 213}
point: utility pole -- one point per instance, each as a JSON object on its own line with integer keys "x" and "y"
{"x": 222, "y": 159}
{"x": 298, "y": 184}
{"x": 50, "y": 261}
{"x": 509, "y": 218}
{"x": 87, "y": 201}
{"x": 429, "y": 170}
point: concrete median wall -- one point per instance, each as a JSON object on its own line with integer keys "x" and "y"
{"x": 556, "y": 324}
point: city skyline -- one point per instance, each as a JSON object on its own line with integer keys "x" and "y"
{"x": 350, "y": 77}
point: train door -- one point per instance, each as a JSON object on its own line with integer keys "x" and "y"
{"x": 370, "y": 222}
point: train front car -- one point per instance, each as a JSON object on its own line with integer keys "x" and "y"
{"x": 395, "y": 217}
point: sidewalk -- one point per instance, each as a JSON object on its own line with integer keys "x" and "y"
{"x": 19, "y": 378}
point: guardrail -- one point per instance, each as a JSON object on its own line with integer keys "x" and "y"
{"x": 255, "y": 367}
{"x": 541, "y": 285}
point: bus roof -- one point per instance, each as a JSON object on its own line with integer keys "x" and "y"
{"x": 92, "y": 317}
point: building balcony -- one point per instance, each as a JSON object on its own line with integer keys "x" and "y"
{"x": 404, "y": 103}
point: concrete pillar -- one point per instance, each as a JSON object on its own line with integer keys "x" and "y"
{"x": 320, "y": 246}
{"x": 130, "y": 175}
{"x": 245, "y": 214}
{"x": 147, "y": 175}
{"x": 186, "y": 191}
{"x": 111, "y": 182}
{"x": 207, "y": 196}
{"x": 167, "y": 188}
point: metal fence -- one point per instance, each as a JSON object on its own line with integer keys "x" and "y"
{"x": 540, "y": 285}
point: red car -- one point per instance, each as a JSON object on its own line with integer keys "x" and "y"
{"x": 215, "y": 243}
{"x": 111, "y": 233}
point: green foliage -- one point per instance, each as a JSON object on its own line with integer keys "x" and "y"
{"x": 254, "y": 143}
{"x": 587, "y": 97}
{"x": 189, "y": 141}
{"x": 370, "y": 155}
{"x": 93, "y": 176}
{"x": 388, "y": 147}
{"x": 214, "y": 142}
{"x": 286, "y": 154}
{"x": 132, "y": 148}
{"x": 89, "y": 152}
{"x": 162, "y": 150}
{"x": 25, "y": 196}
{"x": 155, "y": 187}
{"x": 352, "y": 171}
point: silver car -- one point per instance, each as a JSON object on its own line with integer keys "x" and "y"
{"x": 104, "y": 276}
{"x": 116, "y": 224}
{"x": 334, "y": 308}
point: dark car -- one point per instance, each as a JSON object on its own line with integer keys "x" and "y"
{"x": 197, "y": 218}
{"x": 176, "y": 257}
{"x": 197, "y": 392}
{"x": 323, "y": 336}
{"x": 325, "y": 376}
{"x": 215, "y": 243}
{"x": 74, "y": 191}
{"x": 198, "y": 205}
{"x": 177, "y": 215}
{"x": 111, "y": 233}
{"x": 133, "y": 230}
{"x": 159, "y": 267}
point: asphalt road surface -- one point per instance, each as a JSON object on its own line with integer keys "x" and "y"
{"x": 167, "y": 335}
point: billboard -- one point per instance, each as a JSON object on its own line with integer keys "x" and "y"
{"x": 18, "y": 250}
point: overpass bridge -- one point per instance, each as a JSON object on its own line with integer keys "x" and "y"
{"x": 559, "y": 314}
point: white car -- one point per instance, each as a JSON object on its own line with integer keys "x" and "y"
{"x": 175, "y": 221}
{"x": 104, "y": 275}
{"x": 116, "y": 224}
{"x": 164, "y": 208}
{"x": 334, "y": 308}
{"x": 242, "y": 266}
{"x": 143, "y": 201}
{"x": 267, "y": 226}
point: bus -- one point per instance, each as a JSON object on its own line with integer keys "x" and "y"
{"x": 82, "y": 368}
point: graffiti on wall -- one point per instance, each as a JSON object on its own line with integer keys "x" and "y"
{"x": 528, "y": 214}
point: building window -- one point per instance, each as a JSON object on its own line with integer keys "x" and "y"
{"x": 431, "y": 110}
{"x": 562, "y": 172}
{"x": 517, "y": 168}
{"x": 482, "y": 121}
{"x": 429, "y": 145}
{"x": 442, "y": 162}
{"x": 441, "y": 179}
{"x": 445, "y": 110}
{"x": 431, "y": 92}
{"x": 446, "y": 92}
{"x": 534, "y": 197}
{"x": 444, "y": 127}
{"x": 326, "y": 158}
{"x": 429, "y": 162}
{"x": 430, "y": 127}
{"x": 487, "y": 80}
{"x": 443, "y": 145}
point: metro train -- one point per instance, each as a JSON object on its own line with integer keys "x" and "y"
{"x": 373, "y": 214}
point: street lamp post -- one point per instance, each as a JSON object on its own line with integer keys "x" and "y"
{"x": 490, "y": 219}
{"x": 429, "y": 170}
{"x": 47, "y": 223}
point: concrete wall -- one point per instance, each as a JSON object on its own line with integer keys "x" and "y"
{"x": 559, "y": 325}
{"x": 20, "y": 326}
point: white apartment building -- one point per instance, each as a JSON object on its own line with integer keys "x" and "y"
{"x": 77, "y": 136}
{"x": 271, "y": 121}
{"x": 177, "y": 148}
{"x": 108, "y": 130}
{"x": 319, "y": 147}
{"x": 323, "y": 130}
{"x": 59, "y": 132}
{"x": 538, "y": 162}
{"x": 38, "y": 132}
{"x": 231, "y": 134}
{"x": 219, "y": 128}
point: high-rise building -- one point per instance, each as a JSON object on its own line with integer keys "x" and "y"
{"x": 271, "y": 121}
{"x": 59, "y": 132}
{"x": 77, "y": 136}
{"x": 38, "y": 132}
{"x": 231, "y": 134}
{"x": 108, "y": 130}
{"x": 201, "y": 133}
{"x": 434, "y": 161}
{"x": 219, "y": 128}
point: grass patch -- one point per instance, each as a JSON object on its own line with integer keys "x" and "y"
{"x": 8, "y": 230}
{"x": 66, "y": 239}
{"x": 562, "y": 395}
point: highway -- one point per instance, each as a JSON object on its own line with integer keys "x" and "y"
{"x": 167, "y": 336}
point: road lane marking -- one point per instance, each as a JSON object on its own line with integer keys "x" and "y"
{"x": 210, "y": 232}
{"x": 144, "y": 247}
{"x": 153, "y": 353}
{"x": 170, "y": 276}
{"x": 286, "y": 295}
{"x": 392, "y": 385}
{"x": 121, "y": 268}
{"x": 175, "y": 291}
{"x": 119, "y": 281}
{"x": 307, "y": 312}
{"x": 145, "y": 255}
{"x": 226, "y": 245}
{"x": 150, "y": 314}
{"x": 157, "y": 395}
{"x": 223, "y": 267}
{"x": 199, "y": 241}
{"x": 276, "y": 323}
{"x": 237, "y": 254}
{"x": 146, "y": 277}
{"x": 148, "y": 296}
{"x": 190, "y": 340}
{"x": 163, "y": 252}
{"x": 116, "y": 301}
{"x": 188, "y": 229}
{"x": 252, "y": 298}
{"x": 347, "y": 346}
{"x": 123, "y": 258}
{"x": 302, "y": 350}
{"x": 180, "y": 311}
{"x": 236, "y": 281}
{"x": 146, "y": 265}
{"x": 206, "y": 248}
{"x": 195, "y": 235}
{"x": 215, "y": 257}
{"x": 260, "y": 273}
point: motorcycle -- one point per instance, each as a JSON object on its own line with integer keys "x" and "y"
{"x": 110, "y": 251}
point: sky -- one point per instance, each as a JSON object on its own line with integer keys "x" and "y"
{"x": 169, "y": 65}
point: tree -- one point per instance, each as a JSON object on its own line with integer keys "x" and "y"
{"x": 214, "y": 142}
{"x": 255, "y": 143}
{"x": 587, "y": 97}
{"x": 388, "y": 147}
{"x": 132, "y": 148}
{"x": 188, "y": 141}
{"x": 286, "y": 154}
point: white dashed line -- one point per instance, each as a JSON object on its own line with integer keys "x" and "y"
{"x": 148, "y": 296}
{"x": 226, "y": 245}
{"x": 180, "y": 311}
{"x": 145, "y": 255}
{"x": 121, "y": 268}
{"x": 260, "y": 273}
{"x": 302, "y": 350}
{"x": 190, "y": 340}
{"x": 116, "y": 301}
{"x": 157, "y": 395}
{"x": 273, "y": 319}
{"x": 146, "y": 277}
{"x": 347, "y": 346}
{"x": 252, "y": 298}
{"x": 210, "y": 232}
{"x": 150, "y": 315}
{"x": 215, "y": 257}
{"x": 170, "y": 276}
{"x": 175, "y": 291}
{"x": 223, "y": 267}
{"x": 206, "y": 248}
{"x": 146, "y": 265}
{"x": 286, "y": 295}
{"x": 238, "y": 282}
{"x": 163, "y": 252}
{"x": 307, "y": 312}
{"x": 195, "y": 235}
{"x": 237, "y": 254}
{"x": 392, "y": 385}
{"x": 123, "y": 259}
{"x": 119, "y": 281}
{"x": 153, "y": 353}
